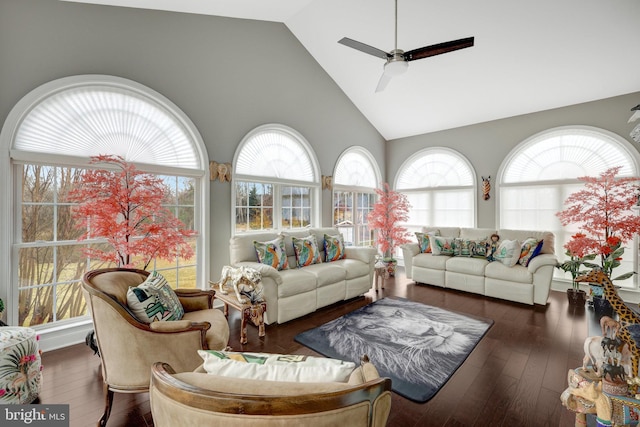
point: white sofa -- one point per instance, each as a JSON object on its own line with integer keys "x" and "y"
{"x": 294, "y": 292}
{"x": 529, "y": 285}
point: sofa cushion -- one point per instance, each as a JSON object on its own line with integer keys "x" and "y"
{"x": 241, "y": 246}
{"x": 508, "y": 252}
{"x": 333, "y": 247}
{"x": 522, "y": 235}
{"x": 442, "y": 231}
{"x": 441, "y": 245}
{"x": 517, "y": 273}
{"x": 530, "y": 248}
{"x": 272, "y": 253}
{"x": 307, "y": 251}
{"x": 200, "y": 378}
{"x": 353, "y": 267}
{"x": 470, "y": 247}
{"x": 276, "y": 367}
{"x": 476, "y": 233}
{"x": 296, "y": 281}
{"x": 423, "y": 242}
{"x": 327, "y": 273}
{"x": 154, "y": 300}
{"x": 288, "y": 241}
{"x": 430, "y": 261}
{"x": 472, "y": 266}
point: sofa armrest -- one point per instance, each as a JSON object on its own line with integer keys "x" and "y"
{"x": 361, "y": 253}
{"x": 195, "y": 299}
{"x": 410, "y": 249}
{"x": 540, "y": 261}
{"x": 178, "y": 326}
{"x": 263, "y": 269}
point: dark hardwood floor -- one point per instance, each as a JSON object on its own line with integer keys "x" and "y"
{"x": 514, "y": 377}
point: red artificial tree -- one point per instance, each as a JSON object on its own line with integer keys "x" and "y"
{"x": 124, "y": 206}
{"x": 603, "y": 208}
{"x": 391, "y": 209}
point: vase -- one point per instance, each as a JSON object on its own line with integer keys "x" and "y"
{"x": 391, "y": 266}
{"x": 602, "y": 307}
{"x": 576, "y": 297}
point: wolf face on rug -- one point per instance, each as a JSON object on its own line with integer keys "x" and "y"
{"x": 417, "y": 345}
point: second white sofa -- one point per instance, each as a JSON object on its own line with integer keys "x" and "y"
{"x": 526, "y": 284}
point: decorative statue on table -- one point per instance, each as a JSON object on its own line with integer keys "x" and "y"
{"x": 492, "y": 247}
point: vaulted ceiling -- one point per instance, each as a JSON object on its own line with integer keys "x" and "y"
{"x": 527, "y": 57}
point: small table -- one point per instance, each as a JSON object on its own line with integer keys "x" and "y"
{"x": 380, "y": 273}
{"x": 248, "y": 312}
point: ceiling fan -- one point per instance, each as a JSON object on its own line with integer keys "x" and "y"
{"x": 398, "y": 60}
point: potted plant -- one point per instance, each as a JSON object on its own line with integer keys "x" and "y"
{"x": 577, "y": 259}
{"x": 391, "y": 209}
{"x": 2, "y": 311}
{"x": 603, "y": 209}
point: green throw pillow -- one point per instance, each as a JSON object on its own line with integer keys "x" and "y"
{"x": 154, "y": 300}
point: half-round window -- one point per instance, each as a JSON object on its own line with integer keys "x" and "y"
{"x": 440, "y": 185}
{"x": 109, "y": 116}
{"x": 278, "y": 152}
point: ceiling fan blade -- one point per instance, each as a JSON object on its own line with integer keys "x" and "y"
{"x": 385, "y": 78}
{"x": 364, "y": 48}
{"x": 437, "y": 49}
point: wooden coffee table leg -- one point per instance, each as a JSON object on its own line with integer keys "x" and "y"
{"x": 263, "y": 308}
{"x": 246, "y": 314}
{"x": 225, "y": 310}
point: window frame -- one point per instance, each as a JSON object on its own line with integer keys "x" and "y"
{"x": 278, "y": 183}
{"x": 432, "y": 191}
{"x": 63, "y": 333}
{"x": 625, "y": 146}
{"x": 355, "y": 191}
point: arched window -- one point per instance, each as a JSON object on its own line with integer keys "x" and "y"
{"x": 355, "y": 177}
{"x": 539, "y": 174}
{"x": 276, "y": 181}
{"x": 47, "y": 141}
{"x": 440, "y": 185}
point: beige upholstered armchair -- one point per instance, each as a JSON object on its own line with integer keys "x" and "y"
{"x": 129, "y": 347}
{"x": 198, "y": 399}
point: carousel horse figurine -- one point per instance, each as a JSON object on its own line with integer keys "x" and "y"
{"x": 593, "y": 393}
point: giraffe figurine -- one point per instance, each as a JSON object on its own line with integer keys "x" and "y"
{"x": 625, "y": 314}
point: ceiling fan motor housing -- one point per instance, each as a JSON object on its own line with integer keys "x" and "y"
{"x": 396, "y": 63}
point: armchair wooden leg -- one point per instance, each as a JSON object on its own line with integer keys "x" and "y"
{"x": 108, "y": 403}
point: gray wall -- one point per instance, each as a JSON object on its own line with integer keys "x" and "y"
{"x": 485, "y": 145}
{"x": 231, "y": 75}
{"x": 228, "y": 75}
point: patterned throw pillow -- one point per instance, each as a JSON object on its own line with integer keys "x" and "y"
{"x": 423, "y": 242}
{"x": 530, "y": 249}
{"x": 272, "y": 253}
{"x": 508, "y": 252}
{"x": 478, "y": 248}
{"x": 275, "y": 367}
{"x": 154, "y": 300}
{"x": 306, "y": 250}
{"x": 469, "y": 248}
{"x": 333, "y": 247}
{"x": 442, "y": 245}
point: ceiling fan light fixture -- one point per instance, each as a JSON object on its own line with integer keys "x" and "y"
{"x": 396, "y": 67}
